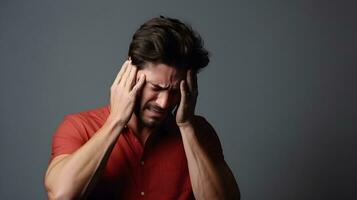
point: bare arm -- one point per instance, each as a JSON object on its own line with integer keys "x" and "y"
{"x": 210, "y": 177}
{"x": 70, "y": 176}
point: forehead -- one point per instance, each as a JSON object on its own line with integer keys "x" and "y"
{"x": 163, "y": 75}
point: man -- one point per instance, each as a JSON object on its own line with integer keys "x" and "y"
{"x": 147, "y": 144}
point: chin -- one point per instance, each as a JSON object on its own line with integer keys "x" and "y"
{"x": 150, "y": 123}
{"x": 148, "y": 119}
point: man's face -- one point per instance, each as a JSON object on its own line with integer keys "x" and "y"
{"x": 160, "y": 93}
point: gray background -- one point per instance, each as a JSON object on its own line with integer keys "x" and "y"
{"x": 280, "y": 89}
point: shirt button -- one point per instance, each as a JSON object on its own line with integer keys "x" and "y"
{"x": 142, "y": 193}
{"x": 142, "y": 162}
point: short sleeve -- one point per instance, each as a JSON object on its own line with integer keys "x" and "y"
{"x": 67, "y": 137}
{"x": 209, "y": 139}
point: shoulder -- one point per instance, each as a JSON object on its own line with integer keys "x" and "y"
{"x": 88, "y": 116}
{"x": 83, "y": 124}
{"x": 208, "y": 137}
{"x": 202, "y": 123}
{"x": 204, "y": 129}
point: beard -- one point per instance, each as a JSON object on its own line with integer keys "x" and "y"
{"x": 148, "y": 121}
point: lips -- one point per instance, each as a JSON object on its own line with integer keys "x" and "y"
{"x": 155, "y": 112}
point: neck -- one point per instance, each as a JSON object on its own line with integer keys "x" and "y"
{"x": 141, "y": 131}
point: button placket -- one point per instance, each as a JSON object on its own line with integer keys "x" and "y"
{"x": 142, "y": 173}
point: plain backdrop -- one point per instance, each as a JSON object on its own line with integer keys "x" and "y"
{"x": 280, "y": 89}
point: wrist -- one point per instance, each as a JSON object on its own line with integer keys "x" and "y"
{"x": 114, "y": 124}
{"x": 186, "y": 124}
{"x": 186, "y": 129}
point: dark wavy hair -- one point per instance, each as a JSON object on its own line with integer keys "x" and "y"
{"x": 168, "y": 41}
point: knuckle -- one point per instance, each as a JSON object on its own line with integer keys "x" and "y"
{"x": 131, "y": 97}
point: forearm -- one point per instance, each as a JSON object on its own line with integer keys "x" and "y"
{"x": 209, "y": 180}
{"x": 70, "y": 176}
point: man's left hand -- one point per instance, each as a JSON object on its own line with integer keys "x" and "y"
{"x": 189, "y": 93}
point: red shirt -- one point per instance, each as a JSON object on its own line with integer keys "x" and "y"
{"x": 157, "y": 171}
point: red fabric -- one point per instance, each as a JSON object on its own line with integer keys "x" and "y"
{"x": 157, "y": 171}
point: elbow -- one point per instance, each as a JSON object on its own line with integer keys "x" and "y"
{"x": 235, "y": 194}
{"x": 58, "y": 195}
{"x": 230, "y": 192}
{"x": 54, "y": 194}
{"x": 57, "y": 192}
{"x": 232, "y": 195}
{"x": 228, "y": 195}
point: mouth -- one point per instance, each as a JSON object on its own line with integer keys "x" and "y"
{"x": 155, "y": 112}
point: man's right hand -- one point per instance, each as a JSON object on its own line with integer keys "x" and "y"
{"x": 123, "y": 93}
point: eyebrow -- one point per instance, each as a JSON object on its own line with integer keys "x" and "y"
{"x": 158, "y": 86}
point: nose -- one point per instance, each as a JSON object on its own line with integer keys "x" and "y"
{"x": 162, "y": 99}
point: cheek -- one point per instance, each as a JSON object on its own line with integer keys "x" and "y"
{"x": 146, "y": 96}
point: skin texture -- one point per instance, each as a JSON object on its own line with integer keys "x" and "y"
{"x": 143, "y": 99}
{"x": 159, "y": 96}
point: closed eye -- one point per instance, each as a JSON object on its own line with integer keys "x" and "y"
{"x": 154, "y": 88}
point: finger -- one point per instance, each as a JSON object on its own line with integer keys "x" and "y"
{"x": 124, "y": 79}
{"x": 189, "y": 80}
{"x": 138, "y": 86}
{"x": 121, "y": 72}
{"x": 131, "y": 79}
{"x": 183, "y": 93}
